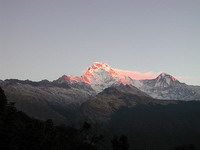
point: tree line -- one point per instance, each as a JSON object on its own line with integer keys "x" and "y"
{"x": 21, "y": 132}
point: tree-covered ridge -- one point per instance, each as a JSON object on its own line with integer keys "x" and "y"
{"x": 147, "y": 127}
{"x": 156, "y": 127}
{"x": 20, "y": 132}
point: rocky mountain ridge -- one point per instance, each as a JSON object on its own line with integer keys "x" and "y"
{"x": 100, "y": 76}
{"x": 61, "y": 99}
{"x": 44, "y": 99}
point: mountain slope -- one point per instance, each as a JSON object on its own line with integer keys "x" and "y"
{"x": 166, "y": 86}
{"x": 159, "y": 127}
{"x": 101, "y": 107}
{"x": 45, "y": 99}
{"x": 101, "y": 76}
{"x": 63, "y": 97}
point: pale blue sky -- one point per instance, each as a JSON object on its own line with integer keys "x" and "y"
{"x": 44, "y": 39}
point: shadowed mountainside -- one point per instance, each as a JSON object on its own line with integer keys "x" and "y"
{"x": 101, "y": 107}
{"x": 45, "y": 99}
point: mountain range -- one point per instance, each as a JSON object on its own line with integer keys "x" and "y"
{"x": 100, "y": 76}
{"x": 99, "y": 91}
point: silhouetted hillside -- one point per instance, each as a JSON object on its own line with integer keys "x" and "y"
{"x": 156, "y": 127}
{"x": 20, "y": 132}
{"x": 142, "y": 127}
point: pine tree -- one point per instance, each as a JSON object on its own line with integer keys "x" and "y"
{"x": 3, "y": 100}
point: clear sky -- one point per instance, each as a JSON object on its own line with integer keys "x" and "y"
{"x": 44, "y": 39}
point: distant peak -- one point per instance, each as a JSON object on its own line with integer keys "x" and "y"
{"x": 99, "y": 65}
{"x": 165, "y": 75}
{"x": 165, "y": 80}
{"x": 96, "y": 66}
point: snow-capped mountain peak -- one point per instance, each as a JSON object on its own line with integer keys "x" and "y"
{"x": 166, "y": 76}
{"x": 165, "y": 80}
{"x": 98, "y": 71}
{"x": 100, "y": 76}
{"x": 98, "y": 65}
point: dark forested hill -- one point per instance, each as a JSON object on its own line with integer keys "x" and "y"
{"x": 20, "y": 132}
{"x": 145, "y": 126}
{"x": 159, "y": 127}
